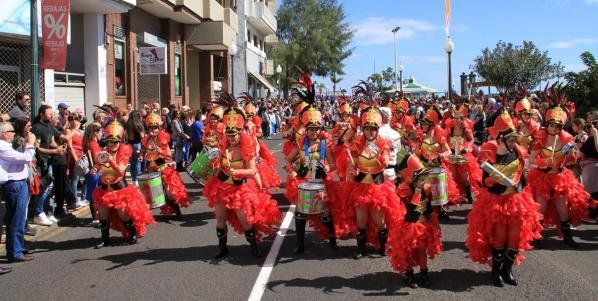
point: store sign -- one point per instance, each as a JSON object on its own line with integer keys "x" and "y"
{"x": 15, "y": 17}
{"x": 152, "y": 60}
{"x": 55, "y": 23}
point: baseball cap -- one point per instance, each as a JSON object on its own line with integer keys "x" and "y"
{"x": 63, "y": 105}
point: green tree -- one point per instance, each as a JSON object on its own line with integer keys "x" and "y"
{"x": 335, "y": 79}
{"x": 582, "y": 87}
{"x": 315, "y": 37}
{"x": 382, "y": 81}
{"x": 506, "y": 65}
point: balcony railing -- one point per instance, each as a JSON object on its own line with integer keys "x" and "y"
{"x": 260, "y": 15}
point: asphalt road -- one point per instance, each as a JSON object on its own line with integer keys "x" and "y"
{"x": 174, "y": 261}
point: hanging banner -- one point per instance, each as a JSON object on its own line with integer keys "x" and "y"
{"x": 152, "y": 60}
{"x": 55, "y": 23}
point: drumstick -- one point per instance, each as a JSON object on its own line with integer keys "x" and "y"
{"x": 90, "y": 157}
{"x": 228, "y": 159}
{"x": 351, "y": 157}
{"x": 554, "y": 147}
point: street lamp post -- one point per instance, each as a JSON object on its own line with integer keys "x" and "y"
{"x": 394, "y": 32}
{"x": 278, "y": 71}
{"x": 401, "y": 77}
{"x": 448, "y": 47}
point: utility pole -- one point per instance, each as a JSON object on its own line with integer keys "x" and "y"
{"x": 35, "y": 95}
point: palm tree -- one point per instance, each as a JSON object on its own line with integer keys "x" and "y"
{"x": 335, "y": 80}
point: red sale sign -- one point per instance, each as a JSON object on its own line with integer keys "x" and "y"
{"x": 55, "y": 22}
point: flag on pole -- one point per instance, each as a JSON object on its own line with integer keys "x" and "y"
{"x": 447, "y": 16}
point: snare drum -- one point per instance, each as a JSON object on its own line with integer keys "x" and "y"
{"x": 437, "y": 180}
{"x": 150, "y": 185}
{"x": 311, "y": 198}
{"x": 201, "y": 169}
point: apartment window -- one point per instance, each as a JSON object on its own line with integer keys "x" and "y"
{"x": 255, "y": 40}
{"x": 178, "y": 91}
{"x": 119, "y": 68}
{"x": 261, "y": 45}
{"x": 248, "y": 36}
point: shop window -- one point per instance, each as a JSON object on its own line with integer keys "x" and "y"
{"x": 119, "y": 68}
{"x": 178, "y": 91}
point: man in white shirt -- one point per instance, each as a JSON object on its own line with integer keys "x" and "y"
{"x": 394, "y": 137}
{"x": 14, "y": 190}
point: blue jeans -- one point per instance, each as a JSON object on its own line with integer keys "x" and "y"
{"x": 134, "y": 162}
{"x": 16, "y": 196}
{"x": 91, "y": 182}
{"x": 178, "y": 149}
{"x": 187, "y": 152}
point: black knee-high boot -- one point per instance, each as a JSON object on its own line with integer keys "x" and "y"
{"x": 327, "y": 220}
{"x": 222, "y": 239}
{"x": 469, "y": 194}
{"x": 252, "y": 240}
{"x": 497, "y": 261}
{"x": 132, "y": 231}
{"x": 506, "y": 272}
{"x": 409, "y": 279}
{"x": 300, "y": 231}
{"x": 361, "y": 242}
{"x": 105, "y": 229}
{"x": 382, "y": 237}
{"x": 567, "y": 237}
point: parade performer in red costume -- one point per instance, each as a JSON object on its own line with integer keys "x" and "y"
{"x": 311, "y": 160}
{"x": 233, "y": 192}
{"x": 158, "y": 157}
{"x": 432, "y": 149}
{"x": 462, "y": 164}
{"x": 526, "y": 125}
{"x": 214, "y": 130}
{"x": 417, "y": 237}
{"x": 120, "y": 206}
{"x": 267, "y": 176}
{"x": 344, "y": 131}
{"x": 371, "y": 205}
{"x": 295, "y": 129}
{"x": 562, "y": 198}
{"x": 504, "y": 219}
{"x": 402, "y": 122}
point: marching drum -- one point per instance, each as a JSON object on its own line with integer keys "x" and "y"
{"x": 437, "y": 180}
{"x": 311, "y": 198}
{"x": 201, "y": 169}
{"x": 150, "y": 185}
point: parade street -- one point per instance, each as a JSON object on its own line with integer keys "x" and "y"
{"x": 175, "y": 262}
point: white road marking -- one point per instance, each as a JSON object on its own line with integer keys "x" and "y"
{"x": 262, "y": 279}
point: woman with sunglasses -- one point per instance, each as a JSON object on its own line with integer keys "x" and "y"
{"x": 156, "y": 151}
{"x": 462, "y": 164}
{"x": 74, "y": 141}
{"x": 91, "y": 137}
{"x": 403, "y": 123}
{"x": 121, "y": 206}
{"x": 233, "y": 192}
{"x": 504, "y": 219}
{"x": 525, "y": 124}
{"x": 562, "y": 198}
{"x": 372, "y": 203}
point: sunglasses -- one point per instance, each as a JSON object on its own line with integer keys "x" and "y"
{"x": 10, "y": 131}
{"x": 153, "y": 127}
{"x": 113, "y": 142}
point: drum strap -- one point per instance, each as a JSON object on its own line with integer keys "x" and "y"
{"x": 322, "y": 149}
{"x": 116, "y": 186}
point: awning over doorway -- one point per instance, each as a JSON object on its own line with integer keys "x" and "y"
{"x": 263, "y": 80}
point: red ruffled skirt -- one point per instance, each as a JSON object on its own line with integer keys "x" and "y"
{"x": 131, "y": 201}
{"x": 288, "y": 147}
{"x": 175, "y": 189}
{"x": 261, "y": 211}
{"x": 563, "y": 184}
{"x": 490, "y": 210}
{"x": 382, "y": 197}
{"x": 266, "y": 168}
{"x": 315, "y": 221}
{"x": 474, "y": 172}
{"x": 409, "y": 237}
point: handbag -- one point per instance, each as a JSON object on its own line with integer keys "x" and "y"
{"x": 82, "y": 165}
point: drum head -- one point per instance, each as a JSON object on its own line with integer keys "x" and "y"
{"x": 148, "y": 175}
{"x": 311, "y": 186}
{"x": 436, "y": 170}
